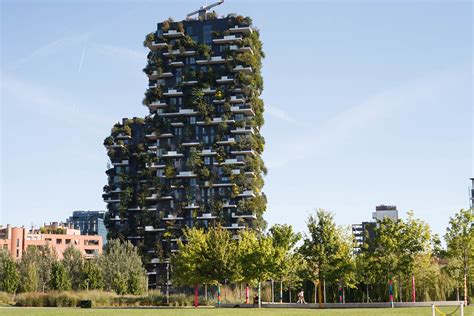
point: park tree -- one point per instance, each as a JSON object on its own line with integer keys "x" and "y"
{"x": 28, "y": 270}
{"x": 325, "y": 251}
{"x": 73, "y": 263}
{"x": 9, "y": 277}
{"x": 188, "y": 262}
{"x": 284, "y": 242}
{"x": 256, "y": 257}
{"x": 60, "y": 280}
{"x": 121, "y": 264}
{"x": 460, "y": 246}
{"x": 92, "y": 277}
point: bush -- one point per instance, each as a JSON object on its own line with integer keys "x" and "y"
{"x": 6, "y": 298}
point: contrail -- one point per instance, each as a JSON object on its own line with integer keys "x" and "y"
{"x": 82, "y": 58}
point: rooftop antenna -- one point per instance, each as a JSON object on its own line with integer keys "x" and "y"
{"x": 203, "y": 10}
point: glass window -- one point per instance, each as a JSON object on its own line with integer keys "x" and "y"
{"x": 207, "y": 34}
{"x": 173, "y": 101}
{"x": 192, "y": 120}
{"x": 207, "y": 160}
{"x": 189, "y": 30}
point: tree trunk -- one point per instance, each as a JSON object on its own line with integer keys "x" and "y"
{"x": 457, "y": 292}
{"x": 400, "y": 291}
{"x": 273, "y": 292}
{"x": 324, "y": 293}
{"x": 289, "y": 292}
{"x": 281, "y": 292}
{"x": 196, "y": 295}
{"x": 259, "y": 295}
{"x": 367, "y": 289}
{"x": 205, "y": 292}
{"x": 413, "y": 288}
{"x": 465, "y": 288}
{"x": 240, "y": 292}
{"x": 246, "y": 293}
{"x": 315, "y": 292}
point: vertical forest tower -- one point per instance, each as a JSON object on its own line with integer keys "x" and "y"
{"x": 195, "y": 160}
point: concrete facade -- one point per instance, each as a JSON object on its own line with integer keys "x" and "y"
{"x": 57, "y": 236}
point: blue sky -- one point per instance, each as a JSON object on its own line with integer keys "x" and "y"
{"x": 367, "y": 102}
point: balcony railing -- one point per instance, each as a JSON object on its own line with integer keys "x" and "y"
{"x": 241, "y": 29}
{"x": 173, "y": 34}
{"x": 225, "y": 79}
{"x": 227, "y": 39}
{"x": 240, "y": 68}
{"x": 186, "y": 174}
{"x": 172, "y": 93}
{"x": 154, "y": 45}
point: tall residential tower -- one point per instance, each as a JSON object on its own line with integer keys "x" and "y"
{"x": 195, "y": 160}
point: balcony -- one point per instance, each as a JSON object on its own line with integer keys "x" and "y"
{"x": 172, "y": 218}
{"x": 181, "y": 112}
{"x": 234, "y": 226}
{"x": 154, "y": 166}
{"x": 165, "y": 135}
{"x": 172, "y": 154}
{"x": 115, "y": 146}
{"x": 157, "y": 105}
{"x": 244, "y": 49}
{"x": 222, "y": 185}
{"x": 189, "y": 82}
{"x": 186, "y": 174}
{"x": 122, "y": 163}
{"x": 151, "y": 136}
{"x": 215, "y": 120}
{"x": 231, "y": 162}
{"x": 135, "y": 209}
{"x": 173, "y": 34}
{"x": 243, "y": 130}
{"x": 246, "y": 216}
{"x": 241, "y": 29}
{"x": 177, "y": 52}
{"x": 225, "y": 79}
{"x": 243, "y": 152}
{"x": 228, "y": 141}
{"x": 234, "y": 99}
{"x": 190, "y": 144}
{"x": 154, "y": 45}
{"x": 153, "y": 197}
{"x": 191, "y": 207}
{"x": 152, "y": 229}
{"x": 208, "y": 91}
{"x": 240, "y": 68}
{"x": 122, "y": 136}
{"x": 177, "y": 64}
{"x": 227, "y": 39}
{"x": 228, "y": 205}
{"x": 153, "y": 75}
{"x": 206, "y": 216}
{"x": 245, "y": 109}
{"x": 110, "y": 200}
{"x": 173, "y": 93}
{"x": 247, "y": 193}
{"x": 117, "y": 218}
{"x": 212, "y": 60}
{"x": 208, "y": 152}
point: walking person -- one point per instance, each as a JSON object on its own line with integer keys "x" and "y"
{"x": 301, "y": 297}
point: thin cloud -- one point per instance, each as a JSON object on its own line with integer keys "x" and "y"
{"x": 51, "y": 48}
{"x": 359, "y": 117}
{"x": 34, "y": 97}
{"x": 279, "y": 114}
{"x": 115, "y": 51}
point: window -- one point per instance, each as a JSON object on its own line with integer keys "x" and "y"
{"x": 177, "y": 131}
{"x": 204, "y": 69}
{"x": 18, "y": 253}
{"x": 68, "y": 241}
{"x": 59, "y": 241}
{"x": 193, "y": 182}
{"x": 207, "y": 34}
{"x": 192, "y": 120}
{"x": 173, "y": 101}
{"x": 18, "y": 242}
{"x": 207, "y": 160}
{"x": 192, "y": 60}
{"x": 179, "y": 100}
{"x": 189, "y": 30}
{"x": 178, "y": 75}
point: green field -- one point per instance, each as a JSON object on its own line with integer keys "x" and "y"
{"x": 4, "y": 311}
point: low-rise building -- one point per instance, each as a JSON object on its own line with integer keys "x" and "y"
{"x": 365, "y": 231}
{"x": 57, "y": 236}
{"x": 89, "y": 223}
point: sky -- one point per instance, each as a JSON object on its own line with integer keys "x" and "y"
{"x": 367, "y": 103}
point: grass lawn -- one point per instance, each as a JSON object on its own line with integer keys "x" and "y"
{"x": 6, "y": 311}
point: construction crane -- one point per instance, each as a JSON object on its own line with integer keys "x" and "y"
{"x": 203, "y": 10}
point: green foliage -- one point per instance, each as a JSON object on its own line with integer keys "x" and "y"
{"x": 9, "y": 278}
{"x": 60, "y": 280}
{"x": 92, "y": 277}
{"x": 122, "y": 268}
{"x": 74, "y": 265}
